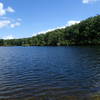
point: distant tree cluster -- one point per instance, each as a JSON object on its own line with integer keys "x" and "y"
{"x": 87, "y": 32}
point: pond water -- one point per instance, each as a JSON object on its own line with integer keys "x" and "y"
{"x": 50, "y": 73}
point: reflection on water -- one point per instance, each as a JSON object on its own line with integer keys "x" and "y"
{"x": 49, "y": 73}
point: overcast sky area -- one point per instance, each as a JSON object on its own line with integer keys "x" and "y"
{"x": 25, "y": 18}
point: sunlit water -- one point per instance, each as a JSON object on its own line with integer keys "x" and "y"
{"x": 49, "y": 73}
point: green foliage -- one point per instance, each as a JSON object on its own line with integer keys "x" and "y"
{"x": 1, "y": 42}
{"x": 87, "y": 32}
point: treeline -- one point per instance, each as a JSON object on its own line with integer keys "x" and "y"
{"x": 87, "y": 32}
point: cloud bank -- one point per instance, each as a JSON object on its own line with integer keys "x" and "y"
{"x": 8, "y": 37}
{"x": 89, "y": 1}
{"x": 3, "y": 10}
{"x": 15, "y": 24}
{"x": 10, "y": 23}
{"x": 72, "y": 22}
{"x": 4, "y": 23}
{"x": 69, "y": 23}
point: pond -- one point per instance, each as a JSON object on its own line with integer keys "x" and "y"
{"x": 50, "y": 73}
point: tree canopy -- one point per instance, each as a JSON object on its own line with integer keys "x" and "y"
{"x": 87, "y": 32}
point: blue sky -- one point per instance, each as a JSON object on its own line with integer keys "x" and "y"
{"x": 24, "y": 18}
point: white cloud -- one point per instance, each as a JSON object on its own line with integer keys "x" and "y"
{"x": 4, "y": 23}
{"x": 19, "y": 19}
{"x": 15, "y": 24}
{"x": 8, "y": 37}
{"x": 9, "y": 9}
{"x": 44, "y": 32}
{"x": 89, "y": 1}
{"x": 9, "y": 23}
{"x": 49, "y": 30}
{"x": 69, "y": 23}
{"x": 72, "y": 22}
{"x": 3, "y": 11}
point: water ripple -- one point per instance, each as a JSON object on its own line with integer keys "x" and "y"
{"x": 49, "y": 73}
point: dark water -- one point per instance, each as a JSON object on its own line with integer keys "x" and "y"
{"x": 49, "y": 73}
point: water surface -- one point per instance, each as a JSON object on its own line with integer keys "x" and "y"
{"x": 49, "y": 73}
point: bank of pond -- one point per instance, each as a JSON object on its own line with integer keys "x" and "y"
{"x": 87, "y": 32}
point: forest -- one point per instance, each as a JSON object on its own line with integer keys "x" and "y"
{"x": 87, "y": 32}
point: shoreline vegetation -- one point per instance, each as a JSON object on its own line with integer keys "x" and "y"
{"x": 87, "y": 32}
